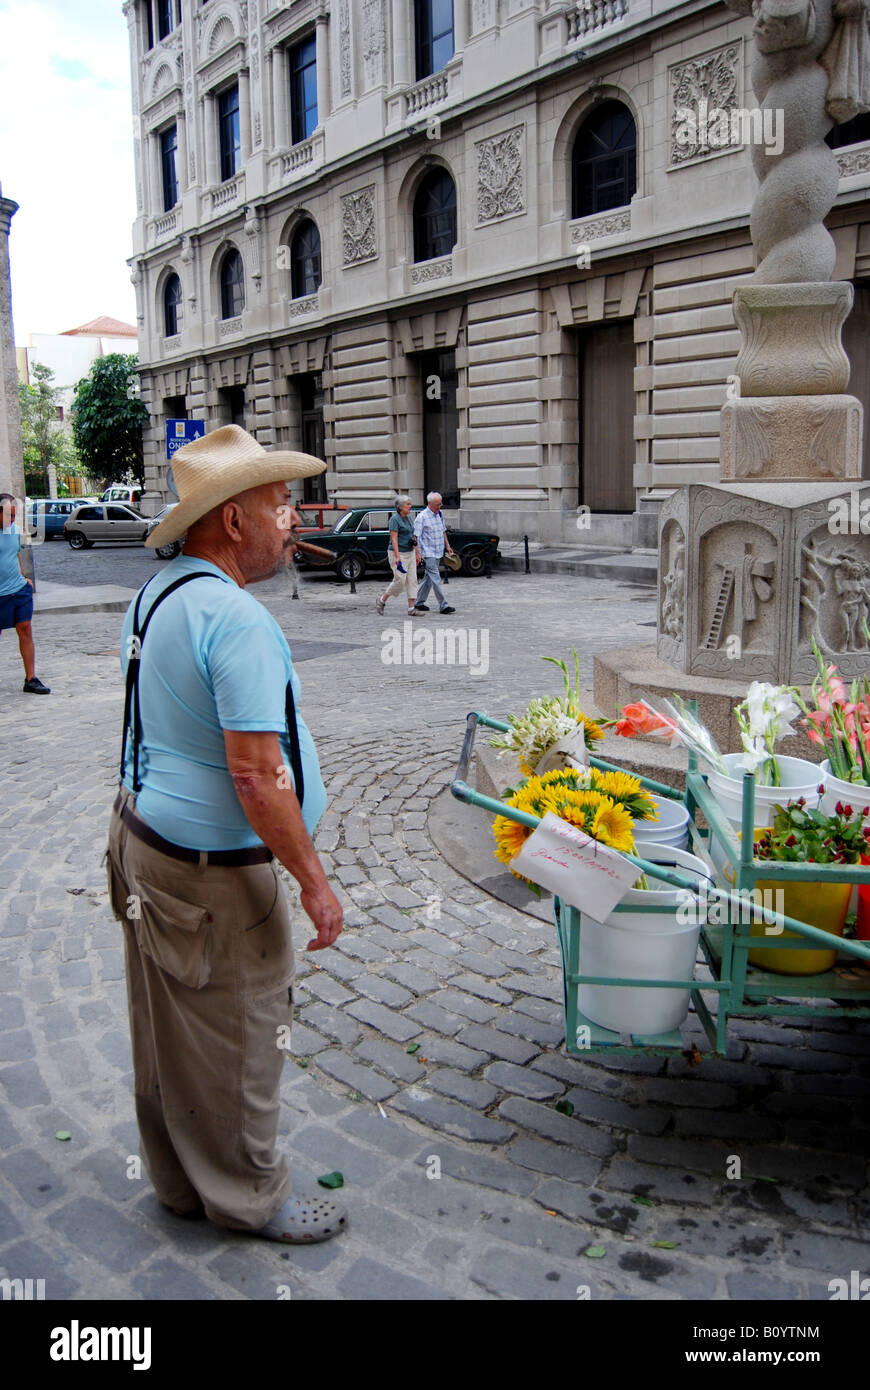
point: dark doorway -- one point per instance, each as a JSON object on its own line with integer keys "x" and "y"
{"x": 310, "y": 389}
{"x": 233, "y": 406}
{"x": 440, "y": 423}
{"x": 175, "y": 407}
{"x": 606, "y": 378}
{"x": 856, "y": 341}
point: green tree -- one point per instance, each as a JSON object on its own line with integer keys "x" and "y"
{"x": 41, "y": 434}
{"x": 108, "y": 419}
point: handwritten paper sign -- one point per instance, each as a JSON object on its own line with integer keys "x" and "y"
{"x": 581, "y": 871}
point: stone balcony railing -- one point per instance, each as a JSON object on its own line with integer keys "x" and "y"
{"x": 227, "y": 194}
{"x": 428, "y": 93}
{"x": 593, "y": 16}
{"x": 164, "y": 226}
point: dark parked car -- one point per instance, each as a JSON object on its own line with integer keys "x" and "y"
{"x": 360, "y": 538}
{"x": 47, "y": 515}
{"x": 101, "y": 522}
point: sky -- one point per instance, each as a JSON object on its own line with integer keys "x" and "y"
{"x": 66, "y": 157}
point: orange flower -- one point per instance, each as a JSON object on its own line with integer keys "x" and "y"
{"x": 640, "y": 719}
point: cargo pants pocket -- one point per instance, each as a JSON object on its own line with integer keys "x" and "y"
{"x": 174, "y": 932}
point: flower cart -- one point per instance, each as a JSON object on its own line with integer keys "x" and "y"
{"x": 725, "y": 917}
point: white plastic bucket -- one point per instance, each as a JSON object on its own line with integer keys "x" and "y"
{"x": 671, "y": 828}
{"x": 799, "y": 778}
{"x": 642, "y": 946}
{"x": 849, "y": 793}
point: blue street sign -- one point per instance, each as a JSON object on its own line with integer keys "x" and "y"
{"x": 181, "y": 432}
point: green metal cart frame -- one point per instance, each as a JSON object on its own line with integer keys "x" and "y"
{"x": 742, "y": 989}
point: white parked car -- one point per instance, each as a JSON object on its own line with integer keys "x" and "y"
{"x": 166, "y": 552}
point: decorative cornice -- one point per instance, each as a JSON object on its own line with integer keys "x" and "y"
{"x": 432, "y": 270}
{"x": 596, "y": 227}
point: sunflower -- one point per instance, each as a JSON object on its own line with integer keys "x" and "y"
{"x": 509, "y": 838}
{"x": 612, "y": 825}
{"x": 626, "y": 790}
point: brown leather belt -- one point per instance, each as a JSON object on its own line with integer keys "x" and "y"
{"x": 228, "y": 858}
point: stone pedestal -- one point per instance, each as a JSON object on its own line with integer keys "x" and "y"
{"x": 791, "y": 438}
{"x": 749, "y": 573}
{"x": 791, "y": 338}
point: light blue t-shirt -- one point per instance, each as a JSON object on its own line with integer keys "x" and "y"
{"x": 212, "y": 659}
{"x": 11, "y": 578}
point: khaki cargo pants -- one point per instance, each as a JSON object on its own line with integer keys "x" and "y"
{"x": 210, "y": 971}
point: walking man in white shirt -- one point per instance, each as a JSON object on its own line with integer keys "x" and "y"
{"x": 431, "y": 534}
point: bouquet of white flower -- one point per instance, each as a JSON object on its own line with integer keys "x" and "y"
{"x": 764, "y": 717}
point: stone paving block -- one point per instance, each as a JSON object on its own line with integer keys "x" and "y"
{"x": 593, "y": 1206}
{"x": 384, "y": 991}
{"x": 423, "y": 959}
{"x": 304, "y": 1042}
{"x": 400, "y": 896}
{"x": 333, "y": 1022}
{"x": 465, "y": 1004}
{"x": 478, "y": 1094}
{"x": 802, "y": 1165}
{"x": 831, "y": 1254}
{"x": 322, "y": 985}
{"x": 695, "y": 1093}
{"x": 482, "y": 965}
{"x": 449, "y": 1117}
{"x": 359, "y": 1078}
{"x": 689, "y": 1279}
{"x": 476, "y": 1167}
{"x": 24, "y": 1085}
{"x": 451, "y": 1053}
{"x": 394, "y": 919}
{"x": 368, "y": 1279}
{"x": 111, "y": 964}
{"x": 540, "y": 1009}
{"x": 9, "y": 1225}
{"x": 384, "y": 1135}
{"x": 553, "y": 1160}
{"x": 508, "y": 1274}
{"x": 728, "y": 1124}
{"x": 413, "y": 978}
{"x": 545, "y": 1034}
{"x": 36, "y": 1181}
{"x": 389, "y": 1059}
{"x": 9, "y": 1136}
{"x": 643, "y": 1119}
{"x": 535, "y": 1230}
{"x": 361, "y": 948}
{"x": 566, "y": 1129}
{"x": 522, "y": 1081}
{"x": 29, "y": 1260}
{"x": 339, "y": 965}
{"x": 166, "y": 1281}
{"x": 756, "y": 1288}
{"x": 253, "y": 1277}
{"x": 484, "y": 989}
{"x": 852, "y": 1087}
{"x": 431, "y": 1016}
{"x": 72, "y": 948}
{"x": 542, "y": 986}
{"x": 330, "y": 1151}
{"x": 17, "y": 1046}
{"x": 720, "y": 1069}
{"x": 796, "y": 1060}
{"x": 498, "y": 1044}
{"x": 98, "y": 1230}
{"x": 11, "y": 1012}
{"x": 115, "y": 1047}
{"x": 434, "y": 941}
{"x": 399, "y": 1027}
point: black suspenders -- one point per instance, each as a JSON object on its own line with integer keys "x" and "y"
{"x": 132, "y": 712}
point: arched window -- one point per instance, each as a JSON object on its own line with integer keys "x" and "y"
{"x": 604, "y": 160}
{"x": 435, "y": 216}
{"x": 232, "y": 285}
{"x": 852, "y": 132}
{"x": 172, "y": 301}
{"x": 305, "y": 273}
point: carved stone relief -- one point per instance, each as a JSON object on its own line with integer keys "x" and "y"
{"x": 222, "y": 34}
{"x": 673, "y": 610}
{"x": 835, "y": 592}
{"x": 482, "y": 15}
{"x": 500, "y": 181}
{"x": 358, "y": 226}
{"x": 431, "y": 270}
{"x": 344, "y": 46}
{"x": 601, "y": 226}
{"x": 738, "y": 579}
{"x": 853, "y": 162}
{"x": 704, "y": 92}
{"x": 373, "y": 42}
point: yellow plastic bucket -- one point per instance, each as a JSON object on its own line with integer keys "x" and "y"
{"x": 822, "y": 905}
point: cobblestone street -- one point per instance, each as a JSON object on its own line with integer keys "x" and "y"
{"x": 462, "y": 1179}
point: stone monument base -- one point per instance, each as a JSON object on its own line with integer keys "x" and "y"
{"x": 791, "y": 438}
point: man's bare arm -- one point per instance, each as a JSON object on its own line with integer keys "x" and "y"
{"x": 255, "y": 762}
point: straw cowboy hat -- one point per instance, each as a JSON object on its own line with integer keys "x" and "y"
{"x": 220, "y": 465}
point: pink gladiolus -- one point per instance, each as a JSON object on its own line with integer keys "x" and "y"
{"x": 815, "y": 737}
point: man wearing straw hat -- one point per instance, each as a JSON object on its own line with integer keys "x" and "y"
{"x": 219, "y": 778}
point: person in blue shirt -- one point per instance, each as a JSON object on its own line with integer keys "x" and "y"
{"x": 430, "y": 532}
{"x": 220, "y": 779}
{"x": 16, "y": 594}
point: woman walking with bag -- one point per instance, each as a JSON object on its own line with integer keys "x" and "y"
{"x": 403, "y": 555}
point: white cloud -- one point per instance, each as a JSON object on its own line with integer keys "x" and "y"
{"x": 66, "y": 157}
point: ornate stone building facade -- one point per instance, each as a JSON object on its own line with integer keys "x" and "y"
{"x": 495, "y": 256}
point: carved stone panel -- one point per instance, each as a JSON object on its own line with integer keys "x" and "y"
{"x": 344, "y": 60}
{"x": 672, "y": 585}
{"x": 832, "y": 568}
{"x": 703, "y": 93}
{"x": 358, "y": 226}
{"x": 373, "y": 42}
{"x": 500, "y": 176}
